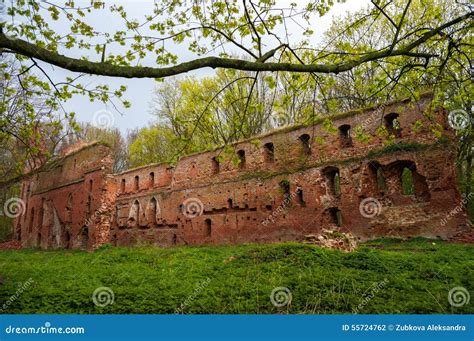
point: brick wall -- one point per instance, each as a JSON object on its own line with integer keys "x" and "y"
{"x": 276, "y": 187}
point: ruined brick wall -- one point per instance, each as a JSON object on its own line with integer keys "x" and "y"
{"x": 61, "y": 203}
{"x": 291, "y": 183}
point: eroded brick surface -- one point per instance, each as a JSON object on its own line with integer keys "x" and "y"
{"x": 278, "y": 187}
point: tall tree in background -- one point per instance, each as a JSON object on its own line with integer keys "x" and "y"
{"x": 155, "y": 144}
{"x": 256, "y": 29}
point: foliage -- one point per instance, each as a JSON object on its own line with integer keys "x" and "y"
{"x": 361, "y": 135}
{"x": 30, "y": 129}
{"x": 5, "y": 229}
{"x": 6, "y": 222}
{"x": 448, "y": 74}
{"x": 407, "y": 182}
{"x": 389, "y": 49}
{"x": 153, "y": 145}
{"x": 398, "y": 147}
{"x": 257, "y": 28}
{"x": 418, "y": 276}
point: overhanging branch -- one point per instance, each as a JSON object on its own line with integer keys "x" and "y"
{"x": 27, "y": 49}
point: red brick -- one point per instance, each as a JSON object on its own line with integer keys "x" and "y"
{"x": 242, "y": 205}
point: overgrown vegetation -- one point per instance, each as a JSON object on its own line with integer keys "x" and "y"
{"x": 200, "y": 113}
{"x": 417, "y": 277}
{"x": 5, "y": 228}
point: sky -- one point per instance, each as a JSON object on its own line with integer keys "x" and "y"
{"x": 140, "y": 91}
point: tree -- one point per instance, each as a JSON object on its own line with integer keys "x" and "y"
{"x": 153, "y": 144}
{"x": 87, "y": 133}
{"x": 215, "y": 110}
{"x": 232, "y": 105}
{"x": 252, "y": 27}
{"x": 449, "y": 75}
{"x": 30, "y": 128}
{"x": 257, "y": 29}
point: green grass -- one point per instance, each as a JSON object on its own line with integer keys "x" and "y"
{"x": 418, "y": 275}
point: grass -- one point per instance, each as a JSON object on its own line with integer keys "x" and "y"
{"x": 416, "y": 275}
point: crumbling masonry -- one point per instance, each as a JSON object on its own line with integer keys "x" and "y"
{"x": 278, "y": 187}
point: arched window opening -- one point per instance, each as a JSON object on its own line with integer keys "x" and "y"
{"x": 152, "y": 179}
{"x": 300, "y": 197}
{"x": 152, "y": 211}
{"x": 215, "y": 165}
{"x": 136, "y": 210}
{"x": 269, "y": 152}
{"x": 122, "y": 186}
{"x": 134, "y": 214}
{"x": 137, "y": 183}
{"x": 305, "y": 143}
{"x": 378, "y": 182}
{"x": 408, "y": 187}
{"x": 335, "y": 216}
{"x": 345, "y": 136}
{"x": 392, "y": 124}
{"x": 85, "y": 238}
{"x": 404, "y": 179}
{"x": 241, "y": 156}
{"x": 333, "y": 180}
{"x": 285, "y": 187}
{"x": 69, "y": 208}
{"x": 208, "y": 227}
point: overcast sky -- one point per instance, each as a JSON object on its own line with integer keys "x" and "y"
{"x": 140, "y": 90}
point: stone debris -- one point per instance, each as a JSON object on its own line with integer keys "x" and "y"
{"x": 230, "y": 259}
{"x": 333, "y": 239}
{"x": 10, "y": 245}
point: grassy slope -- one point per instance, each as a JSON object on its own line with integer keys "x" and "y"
{"x": 241, "y": 278}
